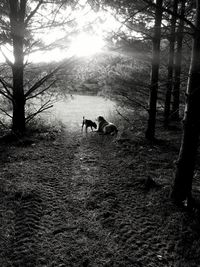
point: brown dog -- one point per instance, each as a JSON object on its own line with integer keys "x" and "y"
{"x": 88, "y": 123}
{"x": 106, "y": 127}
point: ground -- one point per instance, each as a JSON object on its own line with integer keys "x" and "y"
{"x": 71, "y": 199}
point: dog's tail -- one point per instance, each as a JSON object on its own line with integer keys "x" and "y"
{"x": 82, "y": 123}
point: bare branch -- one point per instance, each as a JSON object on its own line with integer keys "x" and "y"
{"x": 46, "y": 77}
{"x": 136, "y": 102}
{"x": 126, "y": 119}
{"x": 40, "y": 82}
{"x": 173, "y": 14}
{"x": 5, "y": 112}
{"x": 44, "y": 90}
{"x": 4, "y": 94}
{"x": 33, "y": 12}
{"x": 6, "y": 85}
{"x": 44, "y": 107}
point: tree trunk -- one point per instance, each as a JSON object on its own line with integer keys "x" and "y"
{"x": 187, "y": 155}
{"x": 18, "y": 120}
{"x": 167, "y": 107}
{"x": 178, "y": 60}
{"x": 150, "y": 132}
{"x": 17, "y": 15}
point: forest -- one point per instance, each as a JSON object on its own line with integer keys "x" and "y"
{"x": 72, "y": 196}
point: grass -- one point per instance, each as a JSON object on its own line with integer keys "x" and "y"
{"x": 68, "y": 199}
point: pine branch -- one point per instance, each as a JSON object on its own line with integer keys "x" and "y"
{"x": 173, "y": 14}
{"x": 33, "y": 12}
{"x": 136, "y": 102}
{"x": 126, "y": 119}
{"x": 5, "y": 112}
{"x": 5, "y": 86}
{"x": 39, "y": 83}
{"x": 49, "y": 75}
{"x": 4, "y": 94}
{"x": 44, "y": 90}
{"x": 44, "y": 107}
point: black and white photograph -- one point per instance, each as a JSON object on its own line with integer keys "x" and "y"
{"x": 99, "y": 133}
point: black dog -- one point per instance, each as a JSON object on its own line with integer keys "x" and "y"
{"x": 88, "y": 123}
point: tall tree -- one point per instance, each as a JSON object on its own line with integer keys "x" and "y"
{"x": 17, "y": 25}
{"x": 18, "y": 18}
{"x": 188, "y": 151}
{"x": 178, "y": 60}
{"x": 150, "y": 132}
{"x": 170, "y": 65}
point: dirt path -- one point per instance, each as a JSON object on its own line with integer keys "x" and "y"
{"x": 77, "y": 201}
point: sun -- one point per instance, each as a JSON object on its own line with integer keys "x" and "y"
{"x": 83, "y": 45}
{"x": 87, "y": 37}
{"x": 86, "y": 45}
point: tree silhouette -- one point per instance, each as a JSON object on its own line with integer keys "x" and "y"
{"x": 191, "y": 127}
{"x": 170, "y": 65}
{"x": 177, "y": 65}
{"x": 20, "y": 20}
{"x": 150, "y": 132}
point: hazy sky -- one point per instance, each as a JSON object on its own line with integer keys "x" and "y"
{"x": 87, "y": 37}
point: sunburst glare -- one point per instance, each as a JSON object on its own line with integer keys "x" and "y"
{"x": 66, "y": 41}
{"x": 85, "y": 45}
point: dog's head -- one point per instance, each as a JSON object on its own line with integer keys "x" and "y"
{"x": 94, "y": 125}
{"x": 100, "y": 119}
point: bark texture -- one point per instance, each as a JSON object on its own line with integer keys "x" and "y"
{"x": 150, "y": 132}
{"x": 187, "y": 155}
{"x": 17, "y": 16}
{"x": 178, "y": 60}
{"x": 170, "y": 65}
